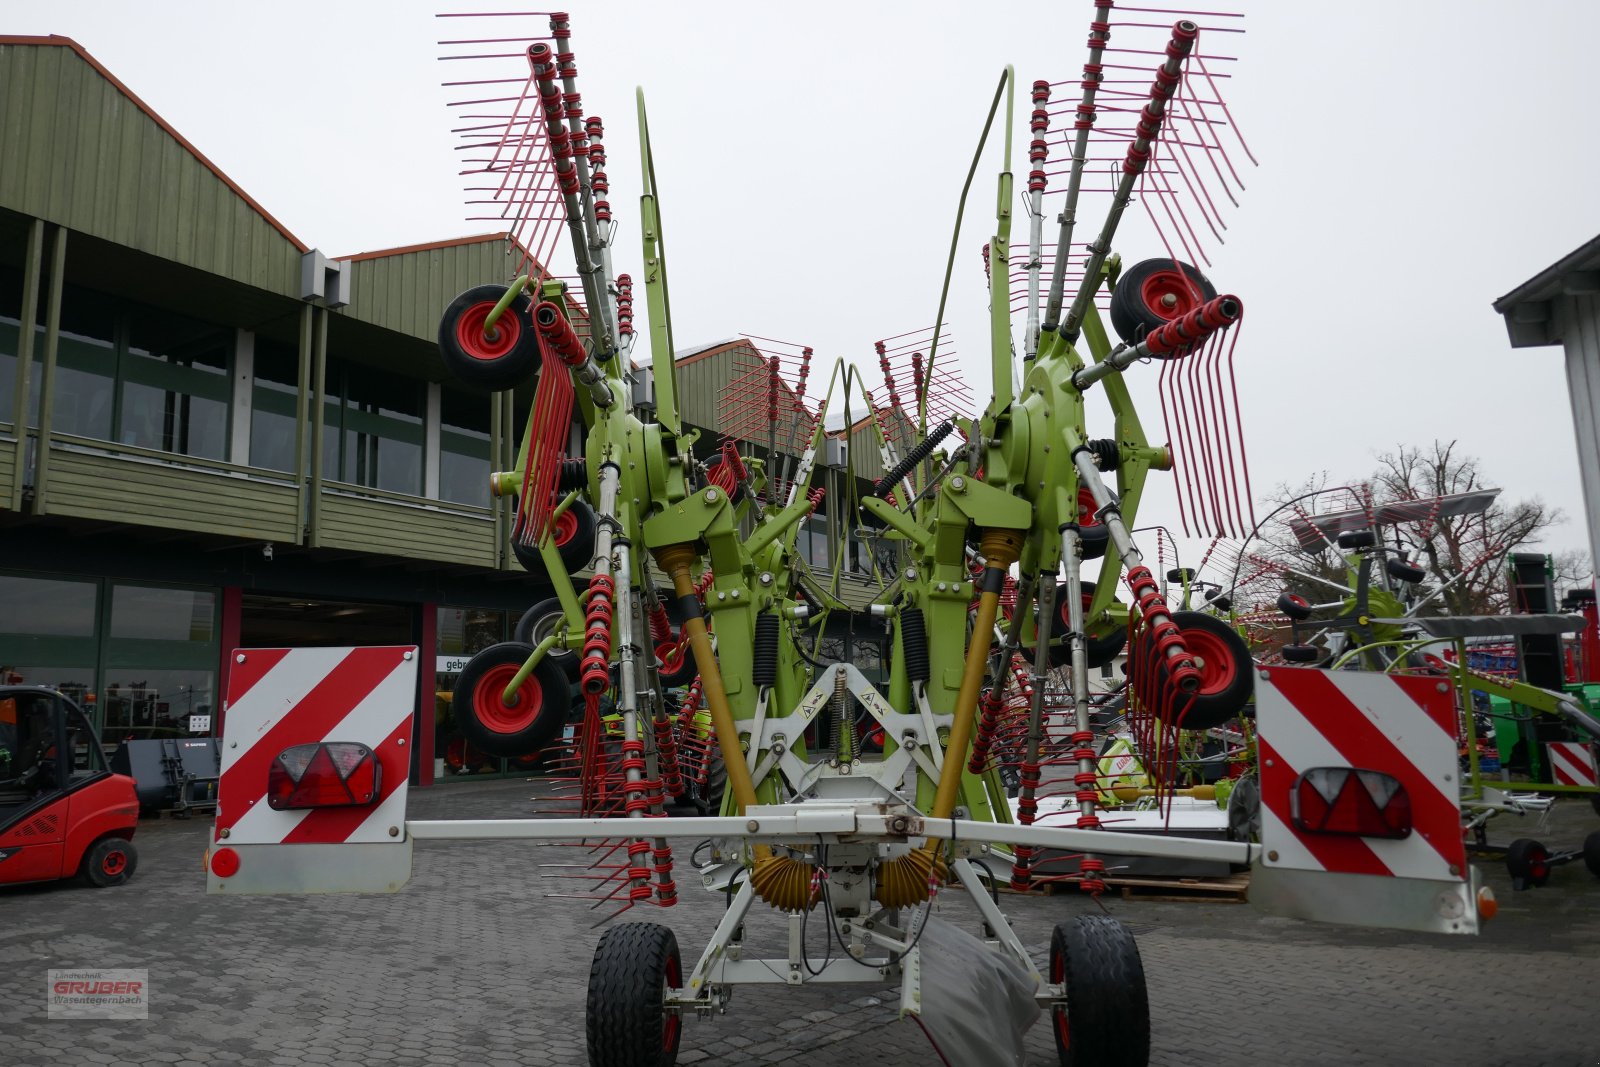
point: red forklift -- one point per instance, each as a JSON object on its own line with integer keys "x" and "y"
{"x": 62, "y": 811}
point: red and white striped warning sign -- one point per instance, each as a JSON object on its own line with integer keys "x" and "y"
{"x": 1402, "y": 727}
{"x": 282, "y": 697}
{"x": 1572, "y": 762}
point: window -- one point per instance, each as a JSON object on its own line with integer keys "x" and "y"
{"x": 142, "y": 703}
{"x": 10, "y": 338}
{"x": 464, "y": 447}
{"x": 175, "y": 387}
{"x": 46, "y": 607}
{"x": 274, "y": 397}
{"x": 152, "y": 614}
{"x": 125, "y": 372}
{"x": 86, "y": 367}
{"x": 374, "y": 429}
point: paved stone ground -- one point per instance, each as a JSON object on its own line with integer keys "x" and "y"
{"x": 474, "y": 964}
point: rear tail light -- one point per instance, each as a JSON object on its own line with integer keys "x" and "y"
{"x": 1344, "y": 800}
{"x": 329, "y": 774}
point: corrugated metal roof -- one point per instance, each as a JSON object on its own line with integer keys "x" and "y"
{"x": 83, "y": 151}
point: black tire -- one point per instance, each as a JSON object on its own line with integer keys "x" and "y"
{"x": 574, "y": 537}
{"x": 1180, "y": 575}
{"x": 1102, "y": 650}
{"x": 1136, "y": 306}
{"x": 1217, "y": 599}
{"x": 537, "y": 623}
{"x": 1094, "y": 535}
{"x": 1301, "y": 653}
{"x": 1591, "y": 853}
{"x": 1353, "y": 540}
{"x": 109, "y": 861}
{"x": 626, "y": 1018}
{"x": 1244, "y": 810}
{"x": 1528, "y": 863}
{"x": 506, "y": 362}
{"x": 1106, "y": 1019}
{"x": 484, "y": 719}
{"x": 1402, "y": 571}
{"x": 710, "y": 799}
{"x": 1226, "y": 671}
{"x": 1294, "y": 606}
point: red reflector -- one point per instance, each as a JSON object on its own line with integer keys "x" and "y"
{"x": 1344, "y": 800}
{"x": 224, "y": 863}
{"x": 330, "y": 774}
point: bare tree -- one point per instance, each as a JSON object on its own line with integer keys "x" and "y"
{"x": 1462, "y": 553}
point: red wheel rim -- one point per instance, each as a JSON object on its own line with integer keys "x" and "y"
{"x": 1066, "y": 608}
{"x": 1538, "y": 864}
{"x": 566, "y": 526}
{"x": 492, "y": 712}
{"x": 1086, "y": 509}
{"x": 669, "y": 657}
{"x": 1217, "y": 666}
{"x": 115, "y": 862}
{"x": 1058, "y": 975}
{"x": 470, "y": 336}
{"x": 1299, "y": 601}
{"x": 670, "y": 1021}
{"x": 1165, "y": 284}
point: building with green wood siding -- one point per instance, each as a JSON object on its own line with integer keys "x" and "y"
{"x": 213, "y": 436}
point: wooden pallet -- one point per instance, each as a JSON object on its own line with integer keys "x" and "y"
{"x": 1234, "y": 889}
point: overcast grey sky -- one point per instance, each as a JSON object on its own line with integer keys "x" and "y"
{"x": 1418, "y": 160}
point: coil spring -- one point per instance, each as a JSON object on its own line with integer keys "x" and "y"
{"x": 595, "y": 674}
{"x": 660, "y": 625}
{"x": 667, "y": 752}
{"x": 914, "y": 640}
{"x": 986, "y": 731}
{"x": 919, "y": 452}
{"x": 845, "y": 739}
{"x": 765, "y": 668}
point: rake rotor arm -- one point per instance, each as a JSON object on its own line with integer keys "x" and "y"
{"x": 543, "y": 61}
{"x": 1175, "y": 339}
{"x": 1168, "y": 75}
{"x": 1099, "y": 34}
{"x": 601, "y": 311}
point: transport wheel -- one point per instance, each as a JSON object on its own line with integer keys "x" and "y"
{"x": 710, "y": 800}
{"x": 627, "y": 1020}
{"x": 1301, "y": 653}
{"x": 109, "y": 861}
{"x": 1357, "y": 539}
{"x": 510, "y": 730}
{"x": 1528, "y": 863}
{"x": 536, "y": 624}
{"x": 574, "y": 540}
{"x": 1094, "y": 534}
{"x": 1152, "y": 293}
{"x": 1102, "y": 650}
{"x": 1244, "y": 810}
{"x": 1226, "y": 678}
{"x": 1294, "y": 606}
{"x": 1591, "y": 853}
{"x": 1106, "y": 1019}
{"x": 502, "y": 361}
{"x": 1403, "y": 571}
